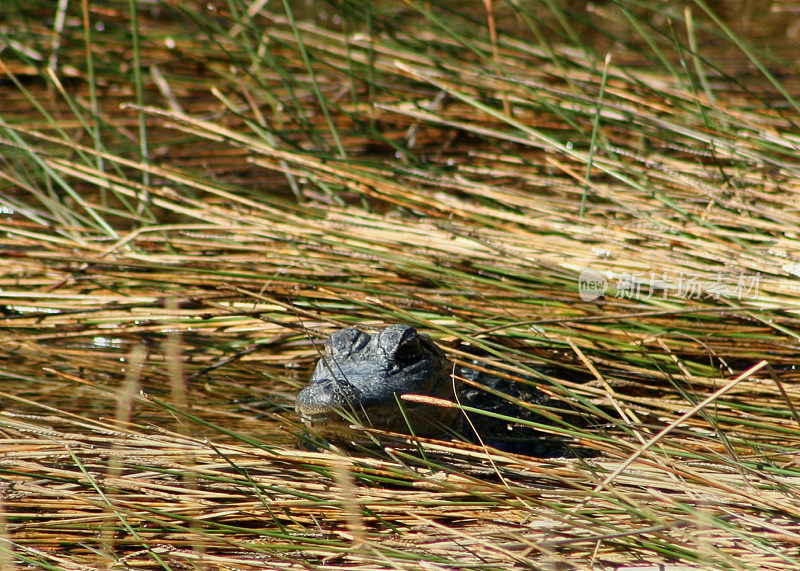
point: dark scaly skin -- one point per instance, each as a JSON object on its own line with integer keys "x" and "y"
{"x": 360, "y": 379}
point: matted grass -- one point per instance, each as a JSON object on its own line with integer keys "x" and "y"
{"x": 191, "y": 204}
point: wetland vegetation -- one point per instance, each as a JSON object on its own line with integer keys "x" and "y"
{"x": 195, "y": 194}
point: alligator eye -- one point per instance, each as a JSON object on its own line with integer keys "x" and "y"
{"x": 407, "y": 348}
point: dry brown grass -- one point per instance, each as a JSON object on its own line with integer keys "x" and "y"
{"x": 177, "y": 244}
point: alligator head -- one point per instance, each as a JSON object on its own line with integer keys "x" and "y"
{"x": 360, "y": 378}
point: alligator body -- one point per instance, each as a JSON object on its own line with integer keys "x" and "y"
{"x": 361, "y": 377}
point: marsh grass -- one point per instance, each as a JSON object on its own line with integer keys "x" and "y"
{"x": 207, "y": 194}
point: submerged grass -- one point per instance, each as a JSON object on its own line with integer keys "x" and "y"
{"x": 205, "y": 190}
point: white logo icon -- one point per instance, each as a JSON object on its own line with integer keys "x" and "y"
{"x": 591, "y": 285}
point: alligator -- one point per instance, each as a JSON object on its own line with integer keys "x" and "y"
{"x": 361, "y": 377}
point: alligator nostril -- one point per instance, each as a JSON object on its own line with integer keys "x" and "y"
{"x": 315, "y": 399}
